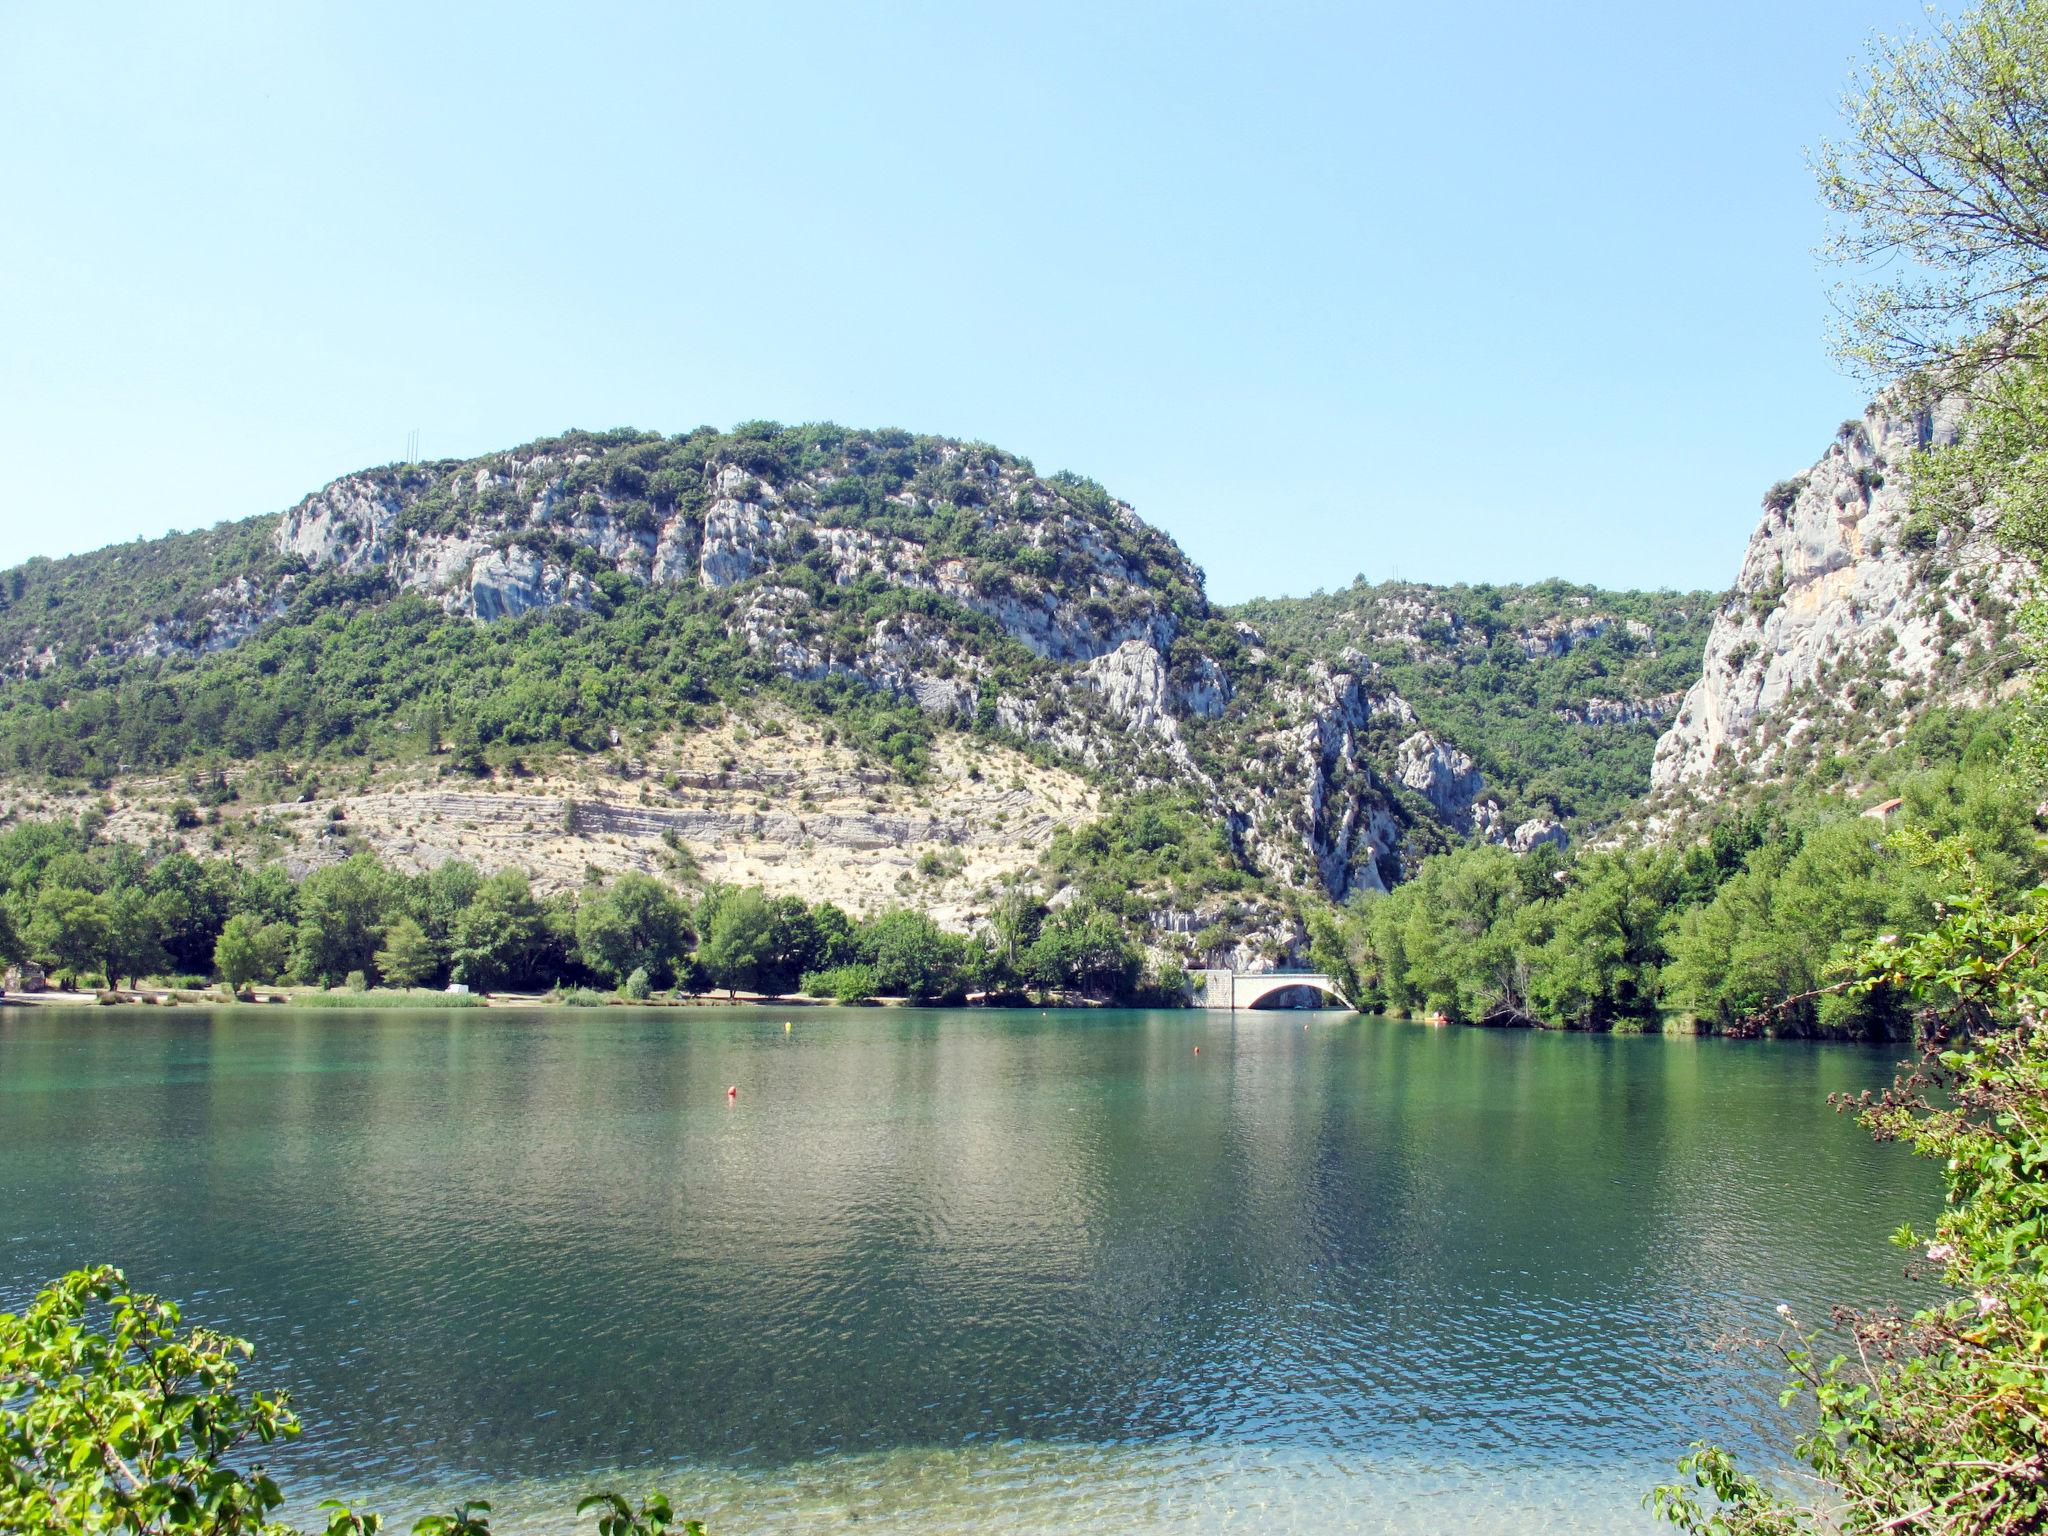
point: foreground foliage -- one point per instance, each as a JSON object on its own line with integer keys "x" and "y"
{"x": 1935, "y": 1422}
{"x": 116, "y": 1418}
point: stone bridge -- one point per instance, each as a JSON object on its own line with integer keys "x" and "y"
{"x": 1253, "y": 989}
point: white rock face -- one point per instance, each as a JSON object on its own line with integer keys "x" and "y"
{"x": 1132, "y": 681}
{"x": 1318, "y": 814}
{"x": 1828, "y": 579}
{"x": 1208, "y": 693}
{"x": 1537, "y": 831}
{"x": 904, "y": 655}
{"x": 347, "y": 525}
{"x": 1561, "y": 634}
{"x": 507, "y": 582}
{"x": 736, "y": 540}
{"x": 1442, "y": 775}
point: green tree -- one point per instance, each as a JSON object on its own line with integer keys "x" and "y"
{"x": 739, "y": 938}
{"x": 502, "y": 938}
{"x": 635, "y": 922}
{"x": 1085, "y": 948}
{"x": 914, "y": 957}
{"x": 133, "y": 923}
{"x": 1757, "y": 955}
{"x": 795, "y": 943}
{"x": 1014, "y": 922}
{"x": 409, "y": 958}
{"x": 837, "y": 937}
{"x": 269, "y": 894}
{"x": 342, "y": 911}
{"x": 117, "y": 1420}
{"x": 251, "y": 950}
{"x": 442, "y": 895}
{"x": 190, "y": 901}
{"x": 1941, "y": 190}
{"x": 1605, "y": 955}
{"x": 67, "y": 929}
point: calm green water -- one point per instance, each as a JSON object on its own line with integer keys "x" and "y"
{"x": 944, "y": 1272}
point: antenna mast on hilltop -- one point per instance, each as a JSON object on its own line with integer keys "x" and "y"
{"x": 412, "y": 446}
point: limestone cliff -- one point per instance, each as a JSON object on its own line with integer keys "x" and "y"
{"x": 949, "y": 576}
{"x": 1849, "y": 614}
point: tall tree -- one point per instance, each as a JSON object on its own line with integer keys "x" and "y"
{"x": 409, "y": 958}
{"x": 68, "y": 928}
{"x": 501, "y": 939}
{"x": 341, "y": 919}
{"x": 134, "y": 922}
{"x": 1941, "y": 191}
{"x": 251, "y": 950}
{"x": 634, "y": 923}
{"x": 739, "y": 938}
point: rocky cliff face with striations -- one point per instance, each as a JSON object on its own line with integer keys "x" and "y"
{"x": 1850, "y": 613}
{"x": 945, "y": 575}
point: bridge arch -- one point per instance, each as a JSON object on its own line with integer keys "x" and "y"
{"x": 1256, "y": 991}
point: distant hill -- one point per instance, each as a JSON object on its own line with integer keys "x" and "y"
{"x": 1557, "y": 692}
{"x": 588, "y": 611}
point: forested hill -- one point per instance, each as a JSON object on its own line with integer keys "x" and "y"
{"x": 608, "y": 598}
{"x": 1558, "y": 692}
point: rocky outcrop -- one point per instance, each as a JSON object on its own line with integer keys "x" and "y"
{"x": 1846, "y": 603}
{"x": 1600, "y": 711}
{"x": 1538, "y": 832}
{"x": 905, "y": 654}
{"x": 507, "y": 582}
{"x": 1312, "y": 810}
{"x": 1036, "y": 610}
{"x": 444, "y": 530}
{"x": 1442, "y": 775}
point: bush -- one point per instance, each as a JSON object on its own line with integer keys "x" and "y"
{"x": 842, "y": 983}
{"x": 1936, "y": 1427}
{"x": 116, "y": 1418}
{"x": 636, "y": 987}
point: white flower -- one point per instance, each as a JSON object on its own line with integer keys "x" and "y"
{"x": 1988, "y": 1304}
{"x": 1785, "y": 1311}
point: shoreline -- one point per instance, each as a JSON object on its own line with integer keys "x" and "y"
{"x": 462, "y": 1002}
{"x": 381, "y": 1000}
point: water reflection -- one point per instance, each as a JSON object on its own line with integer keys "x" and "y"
{"x": 1352, "y": 1277}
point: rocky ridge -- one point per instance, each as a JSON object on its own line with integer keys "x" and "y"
{"x": 1849, "y": 614}
{"x": 1031, "y": 610}
{"x": 946, "y": 575}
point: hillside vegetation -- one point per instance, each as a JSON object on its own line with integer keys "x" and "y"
{"x": 527, "y": 617}
{"x": 1558, "y": 692}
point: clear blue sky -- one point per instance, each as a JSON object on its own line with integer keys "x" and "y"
{"x": 1480, "y": 292}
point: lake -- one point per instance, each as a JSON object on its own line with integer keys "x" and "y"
{"x": 964, "y": 1271}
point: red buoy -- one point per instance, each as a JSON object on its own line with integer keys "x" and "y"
{"x": 1198, "y": 1050}
{"x": 733, "y": 1092}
